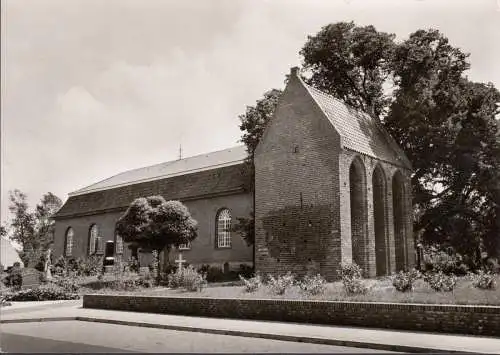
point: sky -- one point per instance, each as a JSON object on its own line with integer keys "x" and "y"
{"x": 91, "y": 88}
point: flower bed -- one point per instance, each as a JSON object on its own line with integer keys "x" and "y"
{"x": 380, "y": 290}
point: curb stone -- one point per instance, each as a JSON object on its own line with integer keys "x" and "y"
{"x": 281, "y": 337}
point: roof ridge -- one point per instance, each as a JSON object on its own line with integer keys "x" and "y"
{"x": 164, "y": 164}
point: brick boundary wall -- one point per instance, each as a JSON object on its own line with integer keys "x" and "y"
{"x": 453, "y": 319}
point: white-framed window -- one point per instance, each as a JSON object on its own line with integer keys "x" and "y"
{"x": 185, "y": 246}
{"x": 119, "y": 245}
{"x": 95, "y": 245}
{"x": 223, "y": 231}
{"x": 69, "y": 242}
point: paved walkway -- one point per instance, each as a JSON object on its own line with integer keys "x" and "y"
{"x": 78, "y": 337}
{"x": 342, "y": 336}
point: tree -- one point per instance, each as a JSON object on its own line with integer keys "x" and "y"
{"x": 23, "y": 222}
{"x": 32, "y": 230}
{"x": 447, "y": 126}
{"x": 246, "y": 227}
{"x": 351, "y": 63}
{"x": 47, "y": 207}
{"x": 155, "y": 224}
{"x": 255, "y": 119}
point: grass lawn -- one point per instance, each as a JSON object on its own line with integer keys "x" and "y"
{"x": 380, "y": 290}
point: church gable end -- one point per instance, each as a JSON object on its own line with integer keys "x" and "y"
{"x": 296, "y": 187}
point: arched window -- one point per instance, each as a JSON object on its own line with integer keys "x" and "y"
{"x": 69, "y": 242}
{"x": 399, "y": 215}
{"x": 223, "y": 231}
{"x": 359, "y": 220}
{"x": 94, "y": 240}
{"x": 118, "y": 244}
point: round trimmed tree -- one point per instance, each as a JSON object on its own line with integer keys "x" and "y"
{"x": 155, "y": 224}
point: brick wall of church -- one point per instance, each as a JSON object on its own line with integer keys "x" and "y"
{"x": 296, "y": 182}
{"x": 203, "y": 250}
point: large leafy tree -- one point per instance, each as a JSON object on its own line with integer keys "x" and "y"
{"x": 447, "y": 126}
{"x": 352, "y": 63}
{"x": 155, "y": 224}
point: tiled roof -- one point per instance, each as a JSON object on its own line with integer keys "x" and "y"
{"x": 227, "y": 179}
{"x": 359, "y": 131}
{"x": 213, "y": 160}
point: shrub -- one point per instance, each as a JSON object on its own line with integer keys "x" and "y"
{"x": 281, "y": 284}
{"x": 484, "y": 280}
{"x": 187, "y": 278}
{"x": 4, "y": 302}
{"x": 403, "y": 281}
{"x": 3, "y": 298}
{"x": 92, "y": 266}
{"x": 439, "y": 281}
{"x": 215, "y": 274}
{"x": 449, "y": 262}
{"x": 492, "y": 265}
{"x": 133, "y": 265}
{"x": 351, "y": 275}
{"x": 251, "y": 284}
{"x": 145, "y": 281}
{"x": 48, "y": 292}
{"x": 174, "y": 279}
{"x": 123, "y": 284}
{"x": 313, "y": 285}
{"x": 15, "y": 277}
{"x": 61, "y": 266}
{"x": 74, "y": 265}
{"x": 192, "y": 279}
{"x": 69, "y": 284}
{"x": 246, "y": 271}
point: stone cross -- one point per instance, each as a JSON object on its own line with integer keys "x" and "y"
{"x": 180, "y": 261}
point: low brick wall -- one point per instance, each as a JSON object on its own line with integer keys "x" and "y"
{"x": 474, "y": 320}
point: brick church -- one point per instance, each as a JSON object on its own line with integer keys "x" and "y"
{"x": 331, "y": 186}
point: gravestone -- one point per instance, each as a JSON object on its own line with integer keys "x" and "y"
{"x": 31, "y": 278}
{"x": 145, "y": 257}
{"x": 144, "y": 271}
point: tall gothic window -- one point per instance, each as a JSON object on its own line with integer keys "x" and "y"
{"x": 69, "y": 242}
{"x": 223, "y": 231}
{"x": 94, "y": 240}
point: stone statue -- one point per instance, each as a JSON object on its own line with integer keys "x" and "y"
{"x": 48, "y": 274}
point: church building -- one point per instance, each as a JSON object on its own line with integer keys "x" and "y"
{"x": 331, "y": 186}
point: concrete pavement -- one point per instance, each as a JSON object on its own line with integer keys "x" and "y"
{"x": 77, "y": 337}
{"x": 388, "y": 340}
